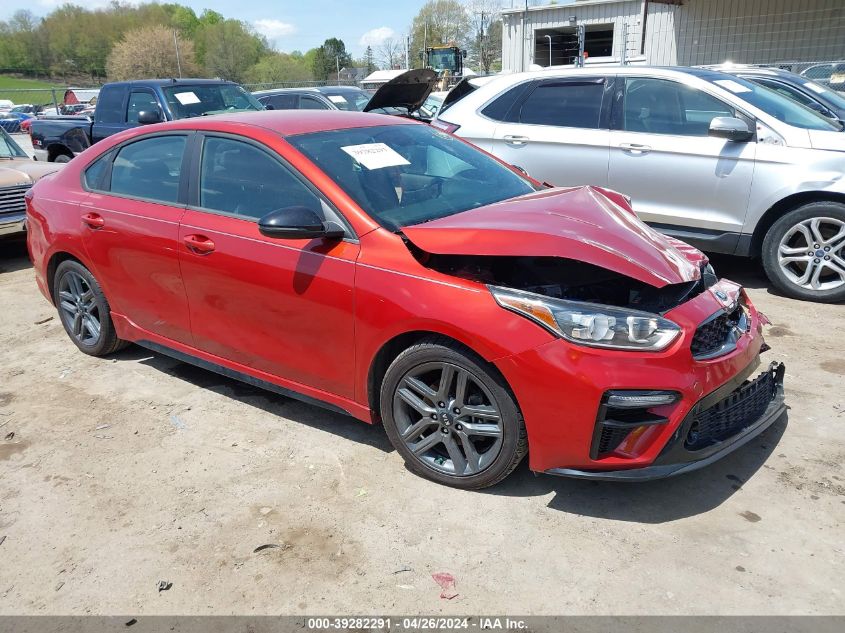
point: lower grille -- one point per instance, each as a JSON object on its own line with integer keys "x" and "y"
{"x": 12, "y": 199}
{"x": 735, "y": 413}
{"x": 611, "y": 438}
{"x": 716, "y": 335}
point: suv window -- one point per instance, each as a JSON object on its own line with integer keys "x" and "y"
{"x": 280, "y": 102}
{"x": 110, "y": 105}
{"x": 139, "y": 101}
{"x": 661, "y": 106}
{"x": 241, "y": 179}
{"x": 564, "y": 104}
{"x": 149, "y": 169}
{"x": 311, "y": 103}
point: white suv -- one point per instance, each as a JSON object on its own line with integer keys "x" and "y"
{"x": 722, "y": 163}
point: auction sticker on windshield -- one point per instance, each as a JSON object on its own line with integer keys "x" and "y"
{"x": 375, "y": 155}
{"x": 187, "y": 98}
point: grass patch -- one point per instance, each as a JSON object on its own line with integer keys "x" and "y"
{"x": 14, "y": 83}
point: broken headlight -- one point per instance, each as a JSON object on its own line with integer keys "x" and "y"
{"x": 591, "y": 323}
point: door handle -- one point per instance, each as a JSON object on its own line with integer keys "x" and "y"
{"x": 518, "y": 141}
{"x": 199, "y": 244}
{"x": 94, "y": 220}
{"x": 635, "y": 148}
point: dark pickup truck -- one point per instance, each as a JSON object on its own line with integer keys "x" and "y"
{"x": 127, "y": 104}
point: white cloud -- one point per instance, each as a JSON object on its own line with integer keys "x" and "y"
{"x": 273, "y": 29}
{"x": 374, "y": 37}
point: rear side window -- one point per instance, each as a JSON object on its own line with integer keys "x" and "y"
{"x": 110, "y": 105}
{"x": 149, "y": 169}
{"x": 498, "y": 108}
{"x": 564, "y": 104}
{"x": 243, "y": 180}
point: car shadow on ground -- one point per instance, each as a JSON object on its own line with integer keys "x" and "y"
{"x": 658, "y": 501}
{"x": 338, "y": 424}
{"x": 13, "y": 255}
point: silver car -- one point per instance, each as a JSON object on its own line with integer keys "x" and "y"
{"x": 727, "y": 165}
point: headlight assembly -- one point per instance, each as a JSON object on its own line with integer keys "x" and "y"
{"x": 591, "y": 324}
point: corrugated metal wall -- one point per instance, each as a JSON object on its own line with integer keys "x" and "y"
{"x": 697, "y": 32}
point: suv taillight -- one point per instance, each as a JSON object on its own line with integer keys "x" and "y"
{"x": 451, "y": 128}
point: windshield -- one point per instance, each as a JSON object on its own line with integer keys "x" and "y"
{"x": 354, "y": 100}
{"x": 835, "y": 99}
{"x": 190, "y": 101}
{"x": 774, "y": 104}
{"x": 8, "y": 148}
{"x": 409, "y": 174}
{"x": 442, "y": 59}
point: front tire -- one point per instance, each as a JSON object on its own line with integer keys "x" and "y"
{"x": 451, "y": 416}
{"x": 84, "y": 310}
{"x": 804, "y": 253}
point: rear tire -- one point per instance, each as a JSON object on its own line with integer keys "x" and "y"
{"x": 84, "y": 310}
{"x": 451, "y": 416}
{"x": 804, "y": 253}
{"x": 62, "y": 158}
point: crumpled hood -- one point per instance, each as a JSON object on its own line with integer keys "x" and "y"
{"x": 24, "y": 172}
{"x": 832, "y": 141}
{"x": 581, "y": 224}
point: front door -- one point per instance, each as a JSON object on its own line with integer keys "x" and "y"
{"x": 558, "y": 134}
{"x": 279, "y": 306}
{"x": 661, "y": 156}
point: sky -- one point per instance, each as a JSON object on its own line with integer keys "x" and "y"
{"x": 287, "y": 24}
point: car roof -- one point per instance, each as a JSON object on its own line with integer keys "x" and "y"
{"x": 307, "y": 89}
{"x": 170, "y": 82}
{"x": 284, "y": 122}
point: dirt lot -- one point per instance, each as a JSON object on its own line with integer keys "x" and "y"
{"x": 126, "y": 471}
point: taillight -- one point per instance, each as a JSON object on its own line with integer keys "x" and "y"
{"x": 451, "y": 128}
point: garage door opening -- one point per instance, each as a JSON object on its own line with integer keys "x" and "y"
{"x": 560, "y": 46}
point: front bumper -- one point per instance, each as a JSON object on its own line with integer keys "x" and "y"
{"x": 41, "y": 155}
{"x": 12, "y": 224}
{"x": 676, "y": 459}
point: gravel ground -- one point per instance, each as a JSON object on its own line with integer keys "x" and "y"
{"x": 126, "y": 471}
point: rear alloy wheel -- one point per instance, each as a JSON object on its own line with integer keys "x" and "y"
{"x": 804, "y": 252}
{"x": 84, "y": 311}
{"x": 450, "y": 417}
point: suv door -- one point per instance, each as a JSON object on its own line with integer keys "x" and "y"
{"x": 557, "y": 132}
{"x": 140, "y": 100}
{"x": 681, "y": 179}
{"x": 131, "y": 226}
{"x": 279, "y": 306}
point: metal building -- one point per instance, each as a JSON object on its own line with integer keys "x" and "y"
{"x": 792, "y": 33}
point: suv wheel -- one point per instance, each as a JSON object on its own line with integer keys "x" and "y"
{"x": 804, "y": 252}
{"x": 451, "y": 418}
{"x": 84, "y": 311}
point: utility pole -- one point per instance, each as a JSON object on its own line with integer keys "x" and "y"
{"x": 337, "y": 63}
{"x": 176, "y": 44}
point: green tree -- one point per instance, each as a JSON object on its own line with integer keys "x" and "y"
{"x": 329, "y": 57}
{"x": 277, "y": 67}
{"x": 231, "y": 49}
{"x": 439, "y": 22}
{"x": 148, "y": 52}
{"x": 369, "y": 60}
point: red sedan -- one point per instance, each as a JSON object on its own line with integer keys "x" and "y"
{"x": 387, "y": 270}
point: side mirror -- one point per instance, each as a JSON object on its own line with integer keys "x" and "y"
{"x": 146, "y": 117}
{"x": 268, "y": 106}
{"x": 298, "y": 223}
{"x": 730, "y": 128}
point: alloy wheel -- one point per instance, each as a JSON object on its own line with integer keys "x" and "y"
{"x": 810, "y": 254}
{"x": 79, "y": 309}
{"x": 448, "y": 419}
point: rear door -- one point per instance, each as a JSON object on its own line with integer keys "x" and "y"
{"x": 131, "y": 225}
{"x": 677, "y": 175}
{"x": 279, "y": 306}
{"x": 559, "y": 131}
{"x": 110, "y": 112}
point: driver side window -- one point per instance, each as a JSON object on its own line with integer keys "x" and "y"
{"x": 241, "y": 179}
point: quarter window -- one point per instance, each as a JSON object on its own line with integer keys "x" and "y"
{"x": 109, "y": 105}
{"x": 659, "y": 106}
{"x": 149, "y": 169}
{"x": 281, "y": 102}
{"x": 564, "y": 104}
{"x": 95, "y": 172}
{"x": 243, "y": 180}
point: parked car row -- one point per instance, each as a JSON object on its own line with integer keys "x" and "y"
{"x": 719, "y": 161}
